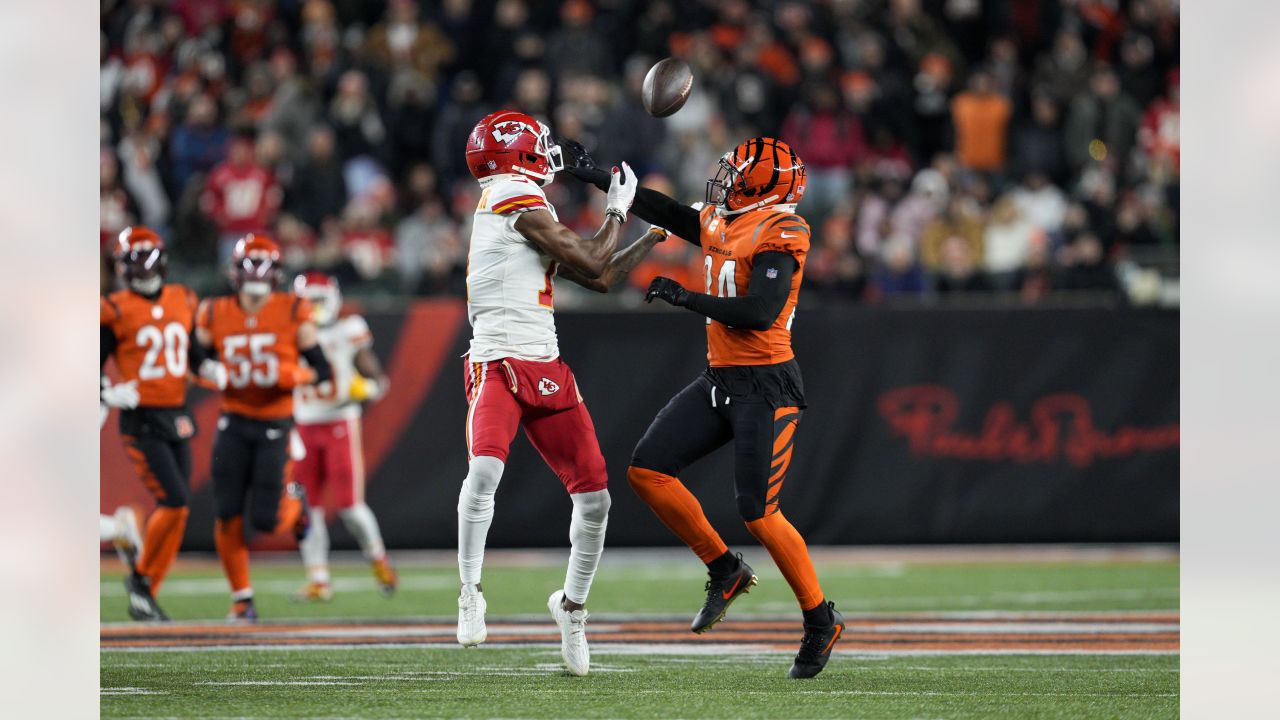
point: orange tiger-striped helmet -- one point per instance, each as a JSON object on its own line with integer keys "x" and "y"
{"x": 758, "y": 173}
{"x": 255, "y": 264}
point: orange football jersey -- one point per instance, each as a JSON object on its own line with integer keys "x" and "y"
{"x": 152, "y": 340}
{"x": 729, "y": 249}
{"x": 255, "y": 348}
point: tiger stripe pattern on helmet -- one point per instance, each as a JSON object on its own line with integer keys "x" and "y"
{"x": 759, "y": 172}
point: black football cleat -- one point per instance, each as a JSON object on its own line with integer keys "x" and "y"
{"x": 243, "y": 611}
{"x": 722, "y": 590}
{"x": 815, "y": 647}
{"x": 142, "y": 604}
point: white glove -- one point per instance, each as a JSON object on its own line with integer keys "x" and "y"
{"x": 622, "y": 191}
{"x": 214, "y": 372}
{"x": 103, "y": 411}
{"x": 122, "y": 395}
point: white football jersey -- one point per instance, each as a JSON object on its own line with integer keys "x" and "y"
{"x": 510, "y": 281}
{"x": 340, "y": 342}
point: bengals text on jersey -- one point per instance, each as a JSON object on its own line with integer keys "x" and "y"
{"x": 152, "y": 338}
{"x": 729, "y": 246}
{"x": 259, "y": 350}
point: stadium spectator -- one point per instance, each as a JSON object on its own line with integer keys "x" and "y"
{"x": 830, "y": 138}
{"x": 897, "y": 273}
{"x": 116, "y": 210}
{"x": 1037, "y": 141}
{"x": 1159, "y": 133}
{"x": 1007, "y": 242}
{"x": 319, "y": 190}
{"x": 197, "y": 144}
{"x": 834, "y": 269}
{"x": 958, "y": 268}
{"x": 981, "y": 118}
{"x": 404, "y": 43}
{"x": 431, "y": 253}
{"x": 356, "y": 119}
{"x": 1040, "y": 202}
{"x": 240, "y": 196}
{"x": 961, "y": 220}
{"x": 1102, "y": 122}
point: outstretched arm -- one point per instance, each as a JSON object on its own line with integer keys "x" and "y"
{"x": 590, "y": 257}
{"x": 650, "y": 205}
{"x": 757, "y": 310}
{"x": 620, "y": 265}
{"x": 587, "y": 257}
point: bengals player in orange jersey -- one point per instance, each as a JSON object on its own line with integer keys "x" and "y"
{"x": 751, "y": 392}
{"x": 147, "y": 328}
{"x": 261, "y": 334}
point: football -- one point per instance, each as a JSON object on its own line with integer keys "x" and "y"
{"x": 667, "y": 87}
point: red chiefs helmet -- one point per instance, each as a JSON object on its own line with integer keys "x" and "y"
{"x": 510, "y": 142}
{"x": 322, "y": 290}
{"x": 758, "y": 173}
{"x": 141, "y": 259}
{"x": 255, "y": 264}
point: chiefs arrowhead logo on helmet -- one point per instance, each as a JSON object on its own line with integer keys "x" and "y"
{"x": 512, "y": 142}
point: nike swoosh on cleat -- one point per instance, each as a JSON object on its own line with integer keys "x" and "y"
{"x": 729, "y": 593}
{"x": 786, "y": 235}
{"x": 839, "y": 629}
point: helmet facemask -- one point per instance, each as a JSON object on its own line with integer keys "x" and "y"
{"x": 256, "y": 274}
{"x": 143, "y": 267}
{"x": 723, "y": 183}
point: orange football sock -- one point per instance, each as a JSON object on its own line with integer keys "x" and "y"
{"x": 160, "y": 547}
{"x": 288, "y": 514}
{"x": 228, "y": 538}
{"x": 790, "y": 554}
{"x": 679, "y": 510}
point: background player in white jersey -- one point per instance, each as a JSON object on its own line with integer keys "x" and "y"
{"x": 514, "y": 374}
{"x": 328, "y": 421}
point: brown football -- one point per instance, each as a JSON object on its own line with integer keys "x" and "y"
{"x": 666, "y": 87}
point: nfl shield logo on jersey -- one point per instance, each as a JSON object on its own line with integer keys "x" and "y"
{"x": 771, "y": 273}
{"x": 546, "y": 387}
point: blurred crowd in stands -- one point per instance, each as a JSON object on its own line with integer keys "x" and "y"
{"x": 1013, "y": 147}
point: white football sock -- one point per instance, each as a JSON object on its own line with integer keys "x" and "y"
{"x": 107, "y": 530}
{"x": 315, "y": 547}
{"x": 586, "y": 539}
{"x": 363, "y": 526}
{"x": 475, "y": 513}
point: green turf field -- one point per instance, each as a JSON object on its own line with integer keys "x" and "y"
{"x": 681, "y": 680}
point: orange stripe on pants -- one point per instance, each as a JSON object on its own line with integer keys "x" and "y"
{"x": 679, "y": 510}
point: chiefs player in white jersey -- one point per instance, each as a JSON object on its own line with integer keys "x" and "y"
{"x": 328, "y": 418}
{"x": 514, "y": 374}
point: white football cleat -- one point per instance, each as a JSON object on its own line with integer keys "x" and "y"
{"x": 471, "y": 607}
{"x": 128, "y": 541}
{"x": 573, "y": 635}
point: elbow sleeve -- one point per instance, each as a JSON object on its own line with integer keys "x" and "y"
{"x": 318, "y": 362}
{"x": 652, "y": 206}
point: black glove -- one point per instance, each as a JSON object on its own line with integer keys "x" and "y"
{"x": 669, "y": 290}
{"x": 579, "y": 163}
